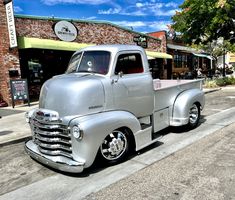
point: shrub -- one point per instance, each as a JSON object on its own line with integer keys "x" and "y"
{"x": 220, "y": 82}
{"x": 225, "y": 81}
{"x": 210, "y": 84}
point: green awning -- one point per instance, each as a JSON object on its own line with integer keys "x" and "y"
{"x": 203, "y": 56}
{"x": 36, "y": 43}
{"x": 154, "y": 54}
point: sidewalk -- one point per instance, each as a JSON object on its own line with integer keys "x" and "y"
{"x": 13, "y": 127}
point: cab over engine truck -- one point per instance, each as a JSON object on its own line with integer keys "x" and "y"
{"x": 105, "y": 105}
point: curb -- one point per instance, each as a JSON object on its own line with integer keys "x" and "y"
{"x": 206, "y": 91}
{"x": 15, "y": 141}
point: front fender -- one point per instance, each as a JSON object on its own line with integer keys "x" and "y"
{"x": 95, "y": 128}
{"x": 182, "y": 104}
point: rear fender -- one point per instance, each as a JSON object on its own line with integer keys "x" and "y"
{"x": 182, "y": 104}
{"x": 95, "y": 128}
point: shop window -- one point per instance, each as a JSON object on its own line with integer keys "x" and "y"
{"x": 156, "y": 68}
{"x": 35, "y": 71}
{"x": 180, "y": 61}
{"x": 129, "y": 64}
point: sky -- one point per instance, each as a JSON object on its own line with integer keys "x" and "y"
{"x": 138, "y": 15}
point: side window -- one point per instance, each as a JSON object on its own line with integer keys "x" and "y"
{"x": 129, "y": 64}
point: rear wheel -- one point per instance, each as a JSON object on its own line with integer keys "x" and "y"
{"x": 115, "y": 146}
{"x": 194, "y": 115}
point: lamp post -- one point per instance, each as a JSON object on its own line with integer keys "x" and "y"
{"x": 223, "y": 63}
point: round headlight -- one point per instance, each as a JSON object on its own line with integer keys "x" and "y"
{"x": 77, "y": 133}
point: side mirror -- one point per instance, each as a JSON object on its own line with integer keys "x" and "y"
{"x": 120, "y": 75}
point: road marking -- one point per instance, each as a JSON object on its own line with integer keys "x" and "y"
{"x": 217, "y": 109}
{"x": 230, "y": 97}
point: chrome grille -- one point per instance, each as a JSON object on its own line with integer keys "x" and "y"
{"x": 52, "y": 139}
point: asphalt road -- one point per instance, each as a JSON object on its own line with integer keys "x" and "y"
{"x": 202, "y": 171}
{"x": 181, "y": 175}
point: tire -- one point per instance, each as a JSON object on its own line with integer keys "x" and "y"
{"x": 194, "y": 116}
{"x": 115, "y": 147}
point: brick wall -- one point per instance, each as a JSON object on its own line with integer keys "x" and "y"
{"x": 88, "y": 32}
{"x": 9, "y": 58}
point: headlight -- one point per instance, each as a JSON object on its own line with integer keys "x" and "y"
{"x": 77, "y": 132}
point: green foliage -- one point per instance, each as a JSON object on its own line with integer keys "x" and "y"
{"x": 202, "y": 21}
{"x": 210, "y": 84}
{"x": 220, "y": 82}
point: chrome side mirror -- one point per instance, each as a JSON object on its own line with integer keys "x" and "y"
{"x": 120, "y": 75}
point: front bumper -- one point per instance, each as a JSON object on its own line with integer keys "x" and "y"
{"x": 57, "y": 162}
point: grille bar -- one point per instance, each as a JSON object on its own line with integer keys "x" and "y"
{"x": 58, "y": 134}
{"x": 52, "y": 140}
{"x": 54, "y": 146}
{"x": 54, "y": 152}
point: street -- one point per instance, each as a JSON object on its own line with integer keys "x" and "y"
{"x": 170, "y": 169}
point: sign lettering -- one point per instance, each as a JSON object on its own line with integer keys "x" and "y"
{"x": 11, "y": 25}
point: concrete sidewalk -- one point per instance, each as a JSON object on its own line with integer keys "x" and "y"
{"x": 13, "y": 127}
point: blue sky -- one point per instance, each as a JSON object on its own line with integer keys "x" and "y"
{"x": 141, "y": 16}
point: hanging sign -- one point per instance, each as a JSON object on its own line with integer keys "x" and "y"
{"x": 65, "y": 31}
{"x": 11, "y": 24}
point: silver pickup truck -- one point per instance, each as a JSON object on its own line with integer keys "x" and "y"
{"x": 105, "y": 105}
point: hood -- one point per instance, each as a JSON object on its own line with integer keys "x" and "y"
{"x": 73, "y": 94}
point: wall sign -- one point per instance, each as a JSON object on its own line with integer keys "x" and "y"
{"x": 65, "y": 31}
{"x": 171, "y": 35}
{"x": 141, "y": 41}
{"x": 11, "y": 24}
{"x": 19, "y": 90}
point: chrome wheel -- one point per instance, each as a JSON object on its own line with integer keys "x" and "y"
{"x": 114, "y": 146}
{"x": 194, "y": 115}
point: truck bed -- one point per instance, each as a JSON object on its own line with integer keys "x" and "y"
{"x": 166, "y": 91}
{"x": 187, "y": 84}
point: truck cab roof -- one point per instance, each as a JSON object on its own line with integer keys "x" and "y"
{"x": 114, "y": 48}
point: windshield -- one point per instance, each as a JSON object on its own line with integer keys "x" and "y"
{"x": 90, "y": 61}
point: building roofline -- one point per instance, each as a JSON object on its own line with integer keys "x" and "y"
{"x": 83, "y": 21}
{"x": 157, "y": 31}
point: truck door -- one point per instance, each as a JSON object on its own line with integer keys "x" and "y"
{"x": 132, "y": 86}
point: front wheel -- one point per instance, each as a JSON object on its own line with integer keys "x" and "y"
{"x": 115, "y": 146}
{"x": 194, "y": 116}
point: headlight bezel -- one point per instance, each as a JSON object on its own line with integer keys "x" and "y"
{"x": 77, "y": 132}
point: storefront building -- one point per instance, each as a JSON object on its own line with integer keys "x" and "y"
{"x": 43, "y": 46}
{"x": 186, "y": 61}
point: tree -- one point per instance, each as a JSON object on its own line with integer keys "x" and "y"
{"x": 204, "y": 21}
